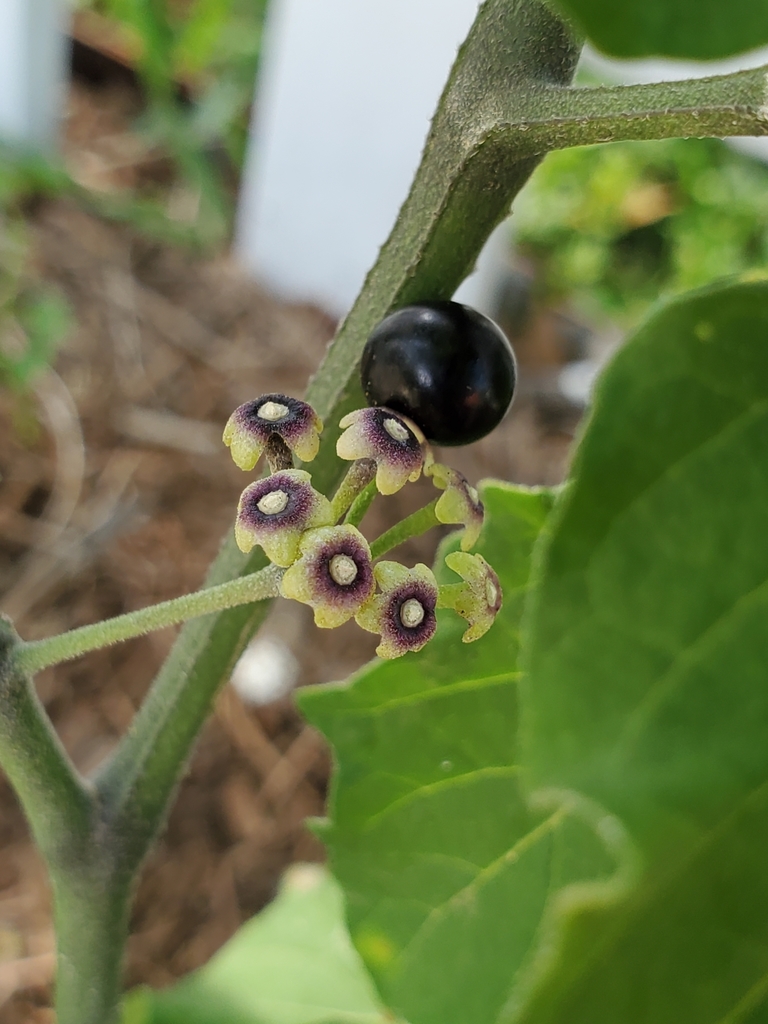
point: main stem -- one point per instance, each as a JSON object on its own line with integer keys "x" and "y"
{"x": 91, "y": 915}
{"x": 414, "y": 525}
{"x": 90, "y": 897}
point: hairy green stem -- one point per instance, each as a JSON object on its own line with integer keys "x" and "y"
{"x": 257, "y": 586}
{"x": 553, "y": 117}
{"x": 91, "y": 915}
{"x": 412, "y": 526}
{"x": 358, "y": 478}
{"x": 56, "y": 800}
{"x": 90, "y": 899}
{"x": 136, "y": 784}
{"x": 361, "y": 504}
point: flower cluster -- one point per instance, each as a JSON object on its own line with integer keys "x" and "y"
{"x": 328, "y": 562}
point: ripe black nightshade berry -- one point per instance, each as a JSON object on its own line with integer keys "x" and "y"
{"x": 445, "y": 366}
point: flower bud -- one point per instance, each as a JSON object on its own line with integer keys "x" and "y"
{"x": 478, "y": 599}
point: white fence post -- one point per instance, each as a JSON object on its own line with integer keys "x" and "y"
{"x": 346, "y": 92}
{"x": 32, "y": 70}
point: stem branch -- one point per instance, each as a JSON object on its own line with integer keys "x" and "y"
{"x": 59, "y": 805}
{"x": 556, "y": 117}
{"x": 361, "y": 504}
{"x": 412, "y": 526}
{"x": 358, "y": 477}
{"x": 257, "y": 586}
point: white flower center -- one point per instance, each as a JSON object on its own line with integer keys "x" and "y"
{"x": 273, "y": 503}
{"x": 343, "y": 570}
{"x": 273, "y": 411}
{"x": 396, "y": 430}
{"x": 412, "y": 613}
{"x": 491, "y": 593}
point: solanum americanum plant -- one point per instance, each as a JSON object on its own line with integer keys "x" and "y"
{"x": 567, "y": 823}
{"x": 435, "y": 371}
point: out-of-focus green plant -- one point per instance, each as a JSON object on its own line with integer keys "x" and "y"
{"x": 197, "y": 65}
{"x": 34, "y": 318}
{"x": 613, "y": 227}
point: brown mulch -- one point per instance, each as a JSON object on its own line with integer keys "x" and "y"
{"x": 120, "y": 499}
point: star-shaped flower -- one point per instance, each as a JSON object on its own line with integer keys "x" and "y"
{"x": 251, "y": 425}
{"x": 395, "y": 444}
{"x": 478, "y": 599}
{"x": 459, "y": 504}
{"x": 334, "y": 574}
{"x": 276, "y": 511}
{"x": 404, "y": 612}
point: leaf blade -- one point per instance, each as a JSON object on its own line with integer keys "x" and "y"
{"x": 431, "y": 837}
{"x": 291, "y": 964}
{"x": 646, "y": 659}
{"x": 688, "y": 29}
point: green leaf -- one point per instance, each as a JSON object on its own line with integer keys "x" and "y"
{"x": 646, "y": 697}
{"x": 444, "y": 868}
{"x": 291, "y": 964}
{"x": 691, "y": 29}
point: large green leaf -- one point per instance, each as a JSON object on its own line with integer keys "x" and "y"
{"x": 695, "y": 29}
{"x": 444, "y": 868}
{"x": 291, "y": 964}
{"x": 647, "y": 690}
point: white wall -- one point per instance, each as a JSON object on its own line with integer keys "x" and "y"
{"x": 345, "y": 95}
{"x": 32, "y": 68}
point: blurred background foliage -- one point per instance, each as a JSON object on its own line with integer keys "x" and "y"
{"x": 614, "y": 227}
{"x": 196, "y": 61}
{"x": 34, "y": 316}
{"x": 607, "y": 228}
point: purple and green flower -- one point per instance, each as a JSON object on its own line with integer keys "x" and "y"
{"x": 396, "y": 445}
{"x": 276, "y": 511}
{"x": 252, "y": 425}
{"x": 334, "y": 574}
{"x": 403, "y": 614}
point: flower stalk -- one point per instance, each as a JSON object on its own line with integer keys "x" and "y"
{"x": 359, "y": 476}
{"x": 39, "y": 654}
{"x": 361, "y": 504}
{"x": 412, "y": 526}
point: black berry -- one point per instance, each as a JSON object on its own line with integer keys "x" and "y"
{"x": 444, "y": 365}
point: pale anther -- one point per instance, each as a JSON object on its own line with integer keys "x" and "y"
{"x": 343, "y": 570}
{"x": 412, "y": 613}
{"x": 273, "y": 503}
{"x": 396, "y": 430}
{"x": 491, "y": 593}
{"x": 272, "y": 411}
